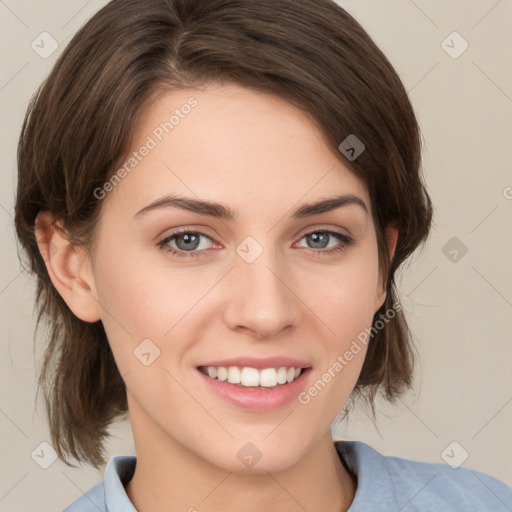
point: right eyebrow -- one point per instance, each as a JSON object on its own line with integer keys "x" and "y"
{"x": 201, "y": 207}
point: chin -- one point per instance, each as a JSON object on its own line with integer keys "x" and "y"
{"x": 253, "y": 458}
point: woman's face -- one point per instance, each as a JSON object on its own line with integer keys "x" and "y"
{"x": 250, "y": 284}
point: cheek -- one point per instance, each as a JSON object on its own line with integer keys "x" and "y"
{"x": 346, "y": 305}
{"x": 141, "y": 305}
{"x": 142, "y": 300}
{"x": 344, "y": 295}
{"x": 347, "y": 308}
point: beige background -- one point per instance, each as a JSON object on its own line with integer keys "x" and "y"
{"x": 460, "y": 311}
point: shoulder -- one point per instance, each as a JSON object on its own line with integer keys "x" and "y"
{"x": 92, "y": 500}
{"x": 391, "y": 482}
{"x": 109, "y": 494}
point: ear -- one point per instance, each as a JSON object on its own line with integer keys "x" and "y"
{"x": 391, "y": 233}
{"x": 68, "y": 267}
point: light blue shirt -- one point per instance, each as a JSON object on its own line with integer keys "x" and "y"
{"x": 385, "y": 484}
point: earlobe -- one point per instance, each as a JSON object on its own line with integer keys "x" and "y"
{"x": 391, "y": 233}
{"x": 68, "y": 267}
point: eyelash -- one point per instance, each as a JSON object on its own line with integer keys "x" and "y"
{"x": 345, "y": 240}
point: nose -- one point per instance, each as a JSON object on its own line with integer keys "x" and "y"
{"x": 261, "y": 299}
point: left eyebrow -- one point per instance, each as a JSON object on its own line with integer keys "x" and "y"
{"x": 326, "y": 205}
{"x": 220, "y": 211}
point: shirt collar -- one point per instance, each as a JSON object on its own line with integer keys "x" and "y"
{"x": 375, "y": 487}
{"x": 118, "y": 472}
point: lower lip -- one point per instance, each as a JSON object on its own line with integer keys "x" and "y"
{"x": 258, "y": 399}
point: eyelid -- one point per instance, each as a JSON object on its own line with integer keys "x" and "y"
{"x": 187, "y": 229}
{"x": 326, "y": 227}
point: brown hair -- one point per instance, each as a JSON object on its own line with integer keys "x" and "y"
{"x": 79, "y": 125}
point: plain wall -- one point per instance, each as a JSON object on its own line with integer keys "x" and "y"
{"x": 460, "y": 311}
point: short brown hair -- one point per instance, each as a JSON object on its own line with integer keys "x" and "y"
{"x": 79, "y": 125}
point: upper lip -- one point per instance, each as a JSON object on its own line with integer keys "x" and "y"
{"x": 260, "y": 363}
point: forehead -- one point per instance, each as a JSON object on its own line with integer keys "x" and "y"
{"x": 231, "y": 145}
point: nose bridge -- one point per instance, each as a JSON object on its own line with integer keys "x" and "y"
{"x": 260, "y": 299}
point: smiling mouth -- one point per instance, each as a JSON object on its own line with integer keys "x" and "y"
{"x": 252, "y": 377}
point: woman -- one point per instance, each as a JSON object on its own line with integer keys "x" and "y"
{"x": 215, "y": 197}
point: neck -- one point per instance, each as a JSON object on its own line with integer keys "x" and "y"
{"x": 175, "y": 479}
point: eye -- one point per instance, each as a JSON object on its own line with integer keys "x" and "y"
{"x": 182, "y": 242}
{"x": 327, "y": 241}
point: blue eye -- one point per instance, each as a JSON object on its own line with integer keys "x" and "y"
{"x": 184, "y": 242}
{"x": 321, "y": 238}
{"x": 189, "y": 244}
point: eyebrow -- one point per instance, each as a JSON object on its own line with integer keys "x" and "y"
{"x": 220, "y": 211}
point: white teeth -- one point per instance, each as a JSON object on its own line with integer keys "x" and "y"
{"x": 281, "y": 375}
{"x": 222, "y": 373}
{"x": 268, "y": 378}
{"x": 252, "y": 377}
{"x": 233, "y": 375}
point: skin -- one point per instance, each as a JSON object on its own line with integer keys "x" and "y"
{"x": 264, "y": 158}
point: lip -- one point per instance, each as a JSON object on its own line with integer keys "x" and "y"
{"x": 260, "y": 363}
{"x": 256, "y": 399}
